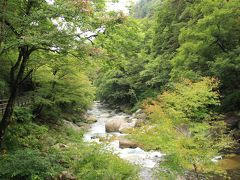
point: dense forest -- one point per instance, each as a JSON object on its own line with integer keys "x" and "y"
{"x": 177, "y": 62}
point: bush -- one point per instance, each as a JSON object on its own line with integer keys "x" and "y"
{"x": 28, "y": 164}
{"x": 68, "y": 90}
{"x": 44, "y": 157}
{"x": 96, "y": 164}
{"x": 192, "y": 101}
{"x": 22, "y": 114}
{"x": 183, "y": 127}
{"x": 25, "y": 135}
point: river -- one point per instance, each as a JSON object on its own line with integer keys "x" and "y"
{"x": 148, "y": 161}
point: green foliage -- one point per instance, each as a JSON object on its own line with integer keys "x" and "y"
{"x": 171, "y": 18}
{"x": 209, "y": 46}
{"x": 26, "y": 134}
{"x": 47, "y": 35}
{"x": 126, "y": 52}
{"x": 191, "y": 100}
{"x": 34, "y": 152}
{"x": 28, "y": 164}
{"x": 62, "y": 87}
{"x": 184, "y": 127}
{"x": 22, "y": 114}
{"x": 156, "y": 72}
{"x": 93, "y": 166}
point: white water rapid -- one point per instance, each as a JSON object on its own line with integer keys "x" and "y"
{"x": 146, "y": 160}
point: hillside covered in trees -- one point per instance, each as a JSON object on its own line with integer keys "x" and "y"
{"x": 172, "y": 66}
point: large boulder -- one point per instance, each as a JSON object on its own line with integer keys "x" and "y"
{"x": 114, "y": 125}
{"x": 126, "y": 143}
{"x": 232, "y": 120}
{"x": 71, "y": 125}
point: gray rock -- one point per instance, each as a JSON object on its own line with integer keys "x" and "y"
{"x": 71, "y": 125}
{"x": 61, "y": 146}
{"x": 114, "y": 125}
{"x": 125, "y": 143}
{"x": 139, "y": 122}
{"x": 91, "y": 119}
{"x": 184, "y": 129}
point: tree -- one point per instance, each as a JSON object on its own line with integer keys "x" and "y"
{"x": 184, "y": 125}
{"x": 146, "y": 8}
{"x": 32, "y": 26}
{"x": 61, "y": 86}
{"x": 126, "y": 48}
{"x": 207, "y": 42}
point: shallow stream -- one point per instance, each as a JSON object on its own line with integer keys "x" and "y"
{"x": 146, "y": 160}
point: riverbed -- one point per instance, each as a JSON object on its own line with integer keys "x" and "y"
{"x": 147, "y": 161}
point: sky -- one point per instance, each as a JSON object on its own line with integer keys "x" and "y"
{"x": 119, "y": 6}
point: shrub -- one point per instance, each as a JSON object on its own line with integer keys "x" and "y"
{"x": 22, "y": 114}
{"x": 25, "y": 135}
{"x": 183, "y": 127}
{"x": 28, "y": 164}
{"x": 96, "y": 164}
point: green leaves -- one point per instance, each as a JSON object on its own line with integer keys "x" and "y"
{"x": 183, "y": 125}
{"x": 27, "y": 164}
{"x": 63, "y": 84}
{"x": 126, "y": 54}
{"x": 207, "y": 40}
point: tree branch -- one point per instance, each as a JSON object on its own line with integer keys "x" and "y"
{"x": 15, "y": 67}
{"x": 47, "y": 49}
{"x": 27, "y": 75}
{"x": 87, "y": 37}
{"x": 11, "y": 27}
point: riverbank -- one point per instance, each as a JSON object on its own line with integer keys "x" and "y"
{"x": 112, "y": 141}
{"x": 38, "y": 151}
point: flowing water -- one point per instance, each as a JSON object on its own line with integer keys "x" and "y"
{"x": 146, "y": 160}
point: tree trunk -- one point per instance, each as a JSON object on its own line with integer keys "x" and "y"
{"x": 24, "y": 54}
{"x": 7, "y": 114}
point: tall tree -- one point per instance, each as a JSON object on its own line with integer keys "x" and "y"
{"x": 35, "y": 25}
{"x": 209, "y": 46}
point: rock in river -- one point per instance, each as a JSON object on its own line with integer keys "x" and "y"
{"x": 114, "y": 125}
{"x": 125, "y": 143}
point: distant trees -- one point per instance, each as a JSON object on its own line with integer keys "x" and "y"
{"x": 187, "y": 39}
{"x": 209, "y": 46}
{"x": 118, "y": 78}
{"x": 145, "y": 8}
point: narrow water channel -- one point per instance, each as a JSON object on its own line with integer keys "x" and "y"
{"x": 146, "y": 160}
